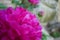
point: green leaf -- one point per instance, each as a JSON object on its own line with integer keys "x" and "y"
{"x": 56, "y": 34}
{"x": 44, "y": 37}
{"x": 17, "y": 2}
{"x": 30, "y": 8}
{"x": 2, "y": 6}
{"x": 14, "y": 1}
{"x": 22, "y": 5}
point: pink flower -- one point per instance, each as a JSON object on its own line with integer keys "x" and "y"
{"x": 34, "y": 1}
{"x": 19, "y": 24}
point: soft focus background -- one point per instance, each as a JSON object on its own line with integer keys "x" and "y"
{"x": 47, "y": 11}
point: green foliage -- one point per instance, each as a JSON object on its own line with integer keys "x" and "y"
{"x": 44, "y": 36}
{"x": 17, "y": 2}
{"x": 55, "y": 34}
{"x": 24, "y": 3}
{"x": 2, "y": 6}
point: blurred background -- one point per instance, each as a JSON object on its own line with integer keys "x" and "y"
{"x": 47, "y": 11}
